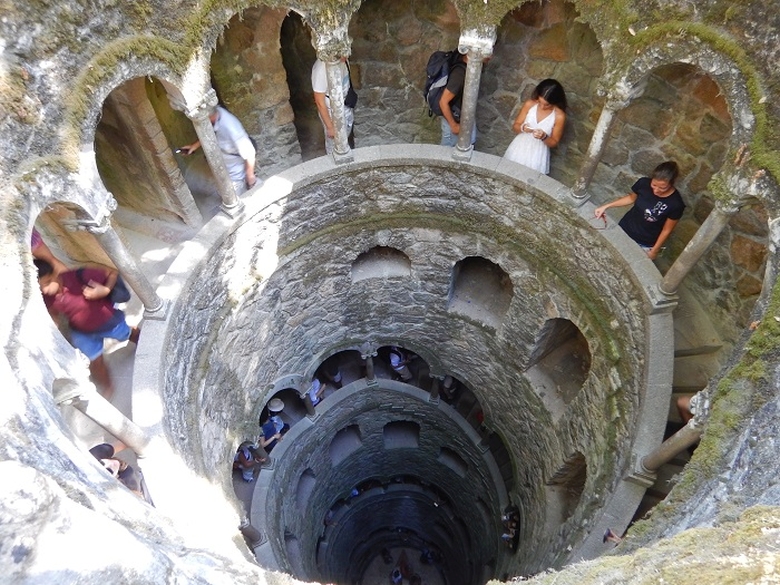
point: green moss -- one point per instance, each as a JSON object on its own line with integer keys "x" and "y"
{"x": 483, "y": 16}
{"x": 766, "y": 133}
{"x": 79, "y": 99}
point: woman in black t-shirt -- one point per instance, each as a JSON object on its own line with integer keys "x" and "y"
{"x": 657, "y": 207}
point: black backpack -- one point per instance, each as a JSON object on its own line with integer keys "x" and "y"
{"x": 440, "y": 63}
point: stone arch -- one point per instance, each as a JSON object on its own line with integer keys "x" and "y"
{"x": 247, "y": 72}
{"x": 696, "y": 51}
{"x": 388, "y": 67}
{"x": 115, "y": 64}
{"x": 535, "y": 41}
{"x": 134, "y": 149}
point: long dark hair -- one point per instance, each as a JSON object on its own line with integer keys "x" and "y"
{"x": 552, "y": 91}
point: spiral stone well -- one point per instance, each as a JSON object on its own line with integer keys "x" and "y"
{"x": 278, "y": 296}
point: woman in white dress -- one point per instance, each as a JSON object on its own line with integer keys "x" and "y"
{"x": 539, "y": 127}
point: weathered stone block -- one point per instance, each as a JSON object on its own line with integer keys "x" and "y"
{"x": 747, "y": 253}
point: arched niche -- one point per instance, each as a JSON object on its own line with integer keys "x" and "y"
{"x": 559, "y": 364}
{"x": 480, "y": 290}
{"x": 535, "y": 41}
{"x": 388, "y": 67}
{"x": 344, "y": 443}
{"x": 564, "y": 489}
{"x": 134, "y": 149}
{"x": 305, "y": 487}
{"x": 381, "y": 262}
{"x": 249, "y": 76}
{"x": 454, "y": 461}
{"x": 401, "y": 435}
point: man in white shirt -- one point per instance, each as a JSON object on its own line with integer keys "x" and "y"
{"x": 319, "y": 84}
{"x": 236, "y": 146}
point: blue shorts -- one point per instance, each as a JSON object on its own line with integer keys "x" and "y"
{"x": 91, "y": 343}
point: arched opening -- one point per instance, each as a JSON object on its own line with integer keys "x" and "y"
{"x": 559, "y": 364}
{"x": 388, "y": 67}
{"x": 283, "y": 409}
{"x": 298, "y": 56}
{"x": 137, "y": 162}
{"x": 401, "y": 364}
{"x": 535, "y": 41}
{"x": 250, "y": 79}
{"x": 480, "y": 290}
{"x": 381, "y": 262}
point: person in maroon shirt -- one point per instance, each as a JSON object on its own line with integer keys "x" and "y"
{"x": 82, "y": 298}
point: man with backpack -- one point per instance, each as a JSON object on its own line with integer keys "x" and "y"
{"x": 451, "y": 101}
{"x": 444, "y": 93}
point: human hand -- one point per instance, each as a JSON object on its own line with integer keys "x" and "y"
{"x": 94, "y": 290}
{"x": 652, "y": 253}
{"x": 455, "y": 127}
{"x": 331, "y": 131}
{"x": 540, "y": 134}
{"x": 600, "y": 211}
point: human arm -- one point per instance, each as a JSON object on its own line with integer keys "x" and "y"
{"x": 554, "y": 138}
{"x": 669, "y": 225}
{"x": 620, "y": 202}
{"x": 519, "y": 124}
{"x": 444, "y": 104}
{"x": 263, "y": 442}
{"x": 246, "y": 150}
{"x": 94, "y": 289}
{"x": 322, "y": 108}
{"x": 190, "y": 148}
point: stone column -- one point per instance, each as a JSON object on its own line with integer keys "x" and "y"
{"x": 113, "y": 246}
{"x": 478, "y": 47}
{"x": 252, "y": 536}
{"x": 368, "y": 353}
{"x": 616, "y": 101}
{"x": 208, "y": 142}
{"x": 100, "y": 410}
{"x": 434, "y": 397}
{"x": 645, "y": 471}
{"x": 310, "y": 410}
{"x": 707, "y": 233}
{"x": 668, "y": 450}
{"x": 341, "y": 151}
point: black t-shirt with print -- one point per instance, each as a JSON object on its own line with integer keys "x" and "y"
{"x": 645, "y": 220}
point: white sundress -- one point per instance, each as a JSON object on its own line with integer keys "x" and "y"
{"x": 530, "y": 151}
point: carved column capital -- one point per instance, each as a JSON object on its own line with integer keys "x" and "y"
{"x": 203, "y": 107}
